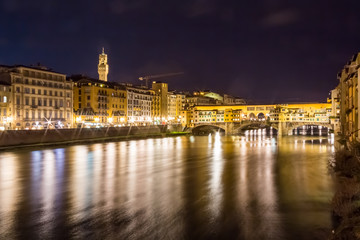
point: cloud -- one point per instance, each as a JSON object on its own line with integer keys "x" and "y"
{"x": 201, "y": 8}
{"x": 4, "y": 41}
{"x": 280, "y": 18}
{"x": 10, "y": 5}
{"x": 122, "y": 6}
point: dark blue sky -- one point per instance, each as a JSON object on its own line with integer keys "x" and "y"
{"x": 268, "y": 51}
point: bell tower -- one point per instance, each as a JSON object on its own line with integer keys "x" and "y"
{"x": 103, "y": 67}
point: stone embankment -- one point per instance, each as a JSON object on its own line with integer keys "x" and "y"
{"x": 16, "y": 138}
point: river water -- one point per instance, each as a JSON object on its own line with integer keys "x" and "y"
{"x": 203, "y": 187}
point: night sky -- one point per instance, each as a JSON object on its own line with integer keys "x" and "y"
{"x": 268, "y": 51}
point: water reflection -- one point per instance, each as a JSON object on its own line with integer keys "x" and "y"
{"x": 255, "y": 186}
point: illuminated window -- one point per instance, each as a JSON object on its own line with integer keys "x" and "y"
{"x": 5, "y": 99}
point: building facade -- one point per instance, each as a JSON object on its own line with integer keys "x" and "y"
{"x": 40, "y": 98}
{"x": 98, "y": 103}
{"x": 349, "y": 99}
{"x": 161, "y": 90}
{"x": 5, "y": 108}
{"x": 139, "y": 105}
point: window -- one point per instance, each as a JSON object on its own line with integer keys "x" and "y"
{"x": 33, "y": 90}
{"x": 17, "y": 89}
{"x": 27, "y": 100}
{"x": 68, "y": 94}
{"x": 55, "y": 93}
{"x": 88, "y": 97}
{"x": 18, "y": 100}
{"x": 61, "y": 94}
{"x": 5, "y": 99}
{"x": 50, "y": 93}
{"x": 27, "y": 90}
{"x": 61, "y": 103}
{"x": 33, "y": 101}
{"x": 39, "y": 91}
{"x": 45, "y": 101}
{"x": 45, "y": 92}
{"x": 50, "y": 102}
{"x": 79, "y": 98}
{"x": 39, "y": 101}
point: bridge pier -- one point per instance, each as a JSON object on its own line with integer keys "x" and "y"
{"x": 229, "y": 128}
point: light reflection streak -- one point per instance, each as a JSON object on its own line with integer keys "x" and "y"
{"x": 132, "y": 171}
{"x": 78, "y": 183}
{"x": 9, "y": 188}
{"x": 217, "y": 165}
{"x": 48, "y": 190}
{"x": 110, "y": 174}
{"x": 258, "y": 185}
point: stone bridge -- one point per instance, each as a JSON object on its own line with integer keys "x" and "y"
{"x": 283, "y": 128}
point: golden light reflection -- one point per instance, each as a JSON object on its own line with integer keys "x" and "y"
{"x": 132, "y": 171}
{"x": 9, "y": 188}
{"x": 217, "y": 165}
{"x": 109, "y": 180}
{"x": 256, "y": 164}
{"x": 78, "y": 182}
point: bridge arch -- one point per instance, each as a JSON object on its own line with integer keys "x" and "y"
{"x": 261, "y": 116}
{"x": 296, "y": 128}
{"x": 253, "y": 125}
{"x": 252, "y": 116}
{"x": 206, "y": 129}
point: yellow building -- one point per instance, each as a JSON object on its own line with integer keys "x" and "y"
{"x": 161, "y": 90}
{"x": 156, "y": 108}
{"x": 349, "y": 99}
{"x": 5, "y": 109}
{"x": 302, "y": 112}
{"x": 98, "y": 103}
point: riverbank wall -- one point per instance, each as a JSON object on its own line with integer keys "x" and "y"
{"x": 14, "y": 138}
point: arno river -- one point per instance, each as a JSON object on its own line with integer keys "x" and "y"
{"x": 204, "y": 187}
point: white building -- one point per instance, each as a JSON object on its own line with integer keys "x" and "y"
{"x": 139, "y": 105}
{"x": 40, "y": 98}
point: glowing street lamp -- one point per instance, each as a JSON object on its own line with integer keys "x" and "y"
{"x": 78, "y": 119}
{"x": 110, "y": 120}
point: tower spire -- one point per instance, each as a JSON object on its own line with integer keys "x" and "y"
{"x": 103, "y": 67}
